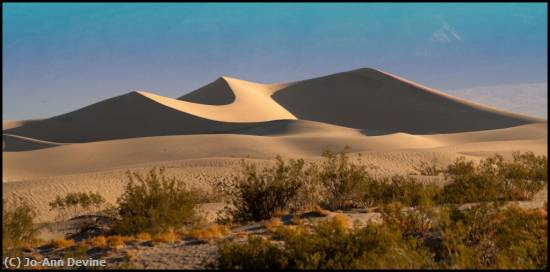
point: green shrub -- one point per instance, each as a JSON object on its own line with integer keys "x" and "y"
{"x": 154, "y": 203}
{"x": 17, "y": 225}
{"x": 342, "y": 180}
{"x": 404, "y": 190}
{"x": 495, "y": 179}
{"x": 256, "y": 195}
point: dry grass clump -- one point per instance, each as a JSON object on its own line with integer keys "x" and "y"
{"x": 144, "y": 236}
{"x": 130, "y": 254}
{"x": 62, "y": 243}
{"x": 168, "y": 236}
{"x": 99, "y": 241}
{"x": 340, "y": 221}
{"x": 273, "y": 224}
{"x": 212, "y": 232}
{"x": 116, "y": 241}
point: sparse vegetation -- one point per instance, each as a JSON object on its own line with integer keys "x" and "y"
{"x": 329, "y": 245}
{"x": 73, "y": 204}
{"x": 154, "y": 203}
{"x": 423, "y": 226}
{"x": 483, "y": 236}
{"x": 400, "y": 189}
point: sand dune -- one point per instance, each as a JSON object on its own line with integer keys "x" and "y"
{"x": 373, "y": 100}
{"x": 104, "y": 155}
{"x": 141, "y": 114}
{"x": 41, "y": 175}
{"x": 366, "y": 99}
{"x": 7, "y": 124}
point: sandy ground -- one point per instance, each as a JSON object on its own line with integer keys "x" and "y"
{"x": 42, "y": 174}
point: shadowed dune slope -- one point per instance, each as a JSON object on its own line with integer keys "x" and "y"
{"x": 11, "y": 143}
{"x": 294, "y": 127}
{"x": 215, "y": 93}
{"x": 376, "y": 101}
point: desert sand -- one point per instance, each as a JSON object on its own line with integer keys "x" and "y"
{"x": 393, "y": 122}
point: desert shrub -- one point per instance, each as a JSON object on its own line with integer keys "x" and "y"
{"x": 75, "y": 203}
{"x": 342, "y": 180}
{"x": 410, "y": 222}
{"x": 404, "y": 190}
{"x": 428, "y": 168}
{"x": 154, "y": 203}
{"x": 18, "y": 227}
{"x": 495, "y": 179}
{"x": 256, "y": 253}
{"x": 486, "y": 236}
{"x": 257, "y": 195}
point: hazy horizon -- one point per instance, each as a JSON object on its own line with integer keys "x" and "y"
{"x": 61, "y": 57}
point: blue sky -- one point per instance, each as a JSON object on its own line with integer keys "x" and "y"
{"x": 61, "y": 57}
